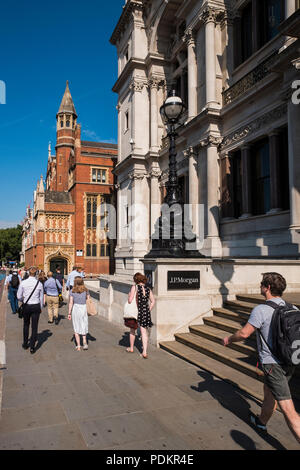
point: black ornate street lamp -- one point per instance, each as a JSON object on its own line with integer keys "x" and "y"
{"x": 173, "y": 230}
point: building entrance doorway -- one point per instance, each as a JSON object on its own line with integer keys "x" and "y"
{"x": 60, "y": 263}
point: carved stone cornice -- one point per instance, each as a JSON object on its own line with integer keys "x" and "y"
{"x": 249, "y": 80}
{"x": 131, "y": 10}
{"x": 255, "y": 125}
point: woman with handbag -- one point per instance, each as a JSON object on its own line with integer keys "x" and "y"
{"x": 143, "y": 296}
{"x": 78, "y": 312}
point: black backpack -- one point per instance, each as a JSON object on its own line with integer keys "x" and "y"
{"x": 15, "y": 281}
{"x": 285, "y": 333}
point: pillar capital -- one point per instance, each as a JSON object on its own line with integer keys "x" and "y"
{"x": 209, "y": 15}
{"x": 189, "y": 37}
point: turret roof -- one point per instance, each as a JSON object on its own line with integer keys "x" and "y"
{"x": 67, "y": 105}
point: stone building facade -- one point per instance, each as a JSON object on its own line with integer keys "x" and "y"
{"x": 235, "y": 64}
{"x": 68, "y": 224}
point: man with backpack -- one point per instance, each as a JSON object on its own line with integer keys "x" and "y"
{"x": 277, "y": 350}
{"x": 13, "y": 282}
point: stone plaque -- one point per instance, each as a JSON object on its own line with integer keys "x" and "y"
{"x": 183, "y": 280}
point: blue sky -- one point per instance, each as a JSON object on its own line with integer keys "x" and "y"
{"x": 43, "y": 44}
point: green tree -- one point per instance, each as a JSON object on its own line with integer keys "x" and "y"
{"x": 10, "y": 243}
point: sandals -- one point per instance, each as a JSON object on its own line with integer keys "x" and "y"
{"x": 129, "y": 350}
{"x": 144, "y": 356}
{"x": 77, "y": 348}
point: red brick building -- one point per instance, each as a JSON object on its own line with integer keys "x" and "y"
{"x": 71, "y": 210}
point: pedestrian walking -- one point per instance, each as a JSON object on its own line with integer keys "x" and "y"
{"x": 78, "y": 312}
{"x": 31, "y": 293}
{"x": 42, "y": 277}
{"x": 13, "y": 281}
{"x": 52, "y": 289}
{"x": 144, "y": 297}
{"x": 276, "y": 374}
{"x": 77, "y": 272}
{"x": 58, "y": 275}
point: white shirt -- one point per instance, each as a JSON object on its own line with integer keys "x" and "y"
{"x": 25, "y": 289}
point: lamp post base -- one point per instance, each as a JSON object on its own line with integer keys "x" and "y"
{"x": 173, "y": 240}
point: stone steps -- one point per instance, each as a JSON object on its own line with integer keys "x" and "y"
{"x": 240, "y": 380}
{"x": 236, "y": 359}
{"x": 236, "y": 364}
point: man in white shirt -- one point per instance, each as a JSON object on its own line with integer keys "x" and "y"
{"x": 31, "y": 292}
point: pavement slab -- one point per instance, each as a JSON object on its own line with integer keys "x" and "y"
{"x": 108, "y": 399}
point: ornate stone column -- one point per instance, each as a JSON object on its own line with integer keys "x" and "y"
{"x": 153, "y": 84}
{"x": 246, "y": 181}
{"x": 192, "y": 74}
{"x": 155, "y": 202}
{"x": 193, "y": 188}
{"x": 275, "y": 189}
{"x": 139, "y": 213}
{"x": 289, "y": 8}
{"x": 212, "y": 243}
{"x": 209, "y": 19}
{"x": 294, "y": 162}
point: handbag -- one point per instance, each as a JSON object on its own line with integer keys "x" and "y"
{"x": 21, "y": 308}
{"x": 90, "y": 307}
{"x": 60, "y": 297}
{"x": 131, "y": 310}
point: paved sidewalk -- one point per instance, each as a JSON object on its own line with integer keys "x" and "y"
{"x": 105, "y": 398}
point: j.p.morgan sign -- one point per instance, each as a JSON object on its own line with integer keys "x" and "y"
{"x": 183, "y": 280}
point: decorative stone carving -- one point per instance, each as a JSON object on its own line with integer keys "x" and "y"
{"x": 137, "y": 175}
{"x": 137, "y": 85}
{"x": 210, "y": 140}
{"x": 189, "y": 37}
{"x": 209, "y": 14}
{"x": 255, "y": 125}
{"x": 247, "y": 82}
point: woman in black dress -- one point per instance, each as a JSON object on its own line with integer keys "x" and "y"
{"x": 145, "y": 303}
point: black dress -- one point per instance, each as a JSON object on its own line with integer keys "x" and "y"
{"x": 144, "y": 314}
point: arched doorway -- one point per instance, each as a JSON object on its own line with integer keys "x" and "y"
{"x": 60, "y": 263}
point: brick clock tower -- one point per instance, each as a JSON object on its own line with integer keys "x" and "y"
{"x": 66, "y": 119}
{"x": 70, "y": 217}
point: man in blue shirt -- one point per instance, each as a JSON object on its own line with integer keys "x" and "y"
{"x": 52, "y": 288}
{"x": 77, "y": 271}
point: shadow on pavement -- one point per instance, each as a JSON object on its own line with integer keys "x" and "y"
{"x": 137, "y": 343}
{"x": 43, "y": 337}
{"x": 233, "y": 400}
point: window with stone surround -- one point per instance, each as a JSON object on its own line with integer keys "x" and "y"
{"x": 236, "y": 196}
{"x": 99, "y": 175}
{"x": 260, "y": 157}
{"x": 256, "y": 23}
